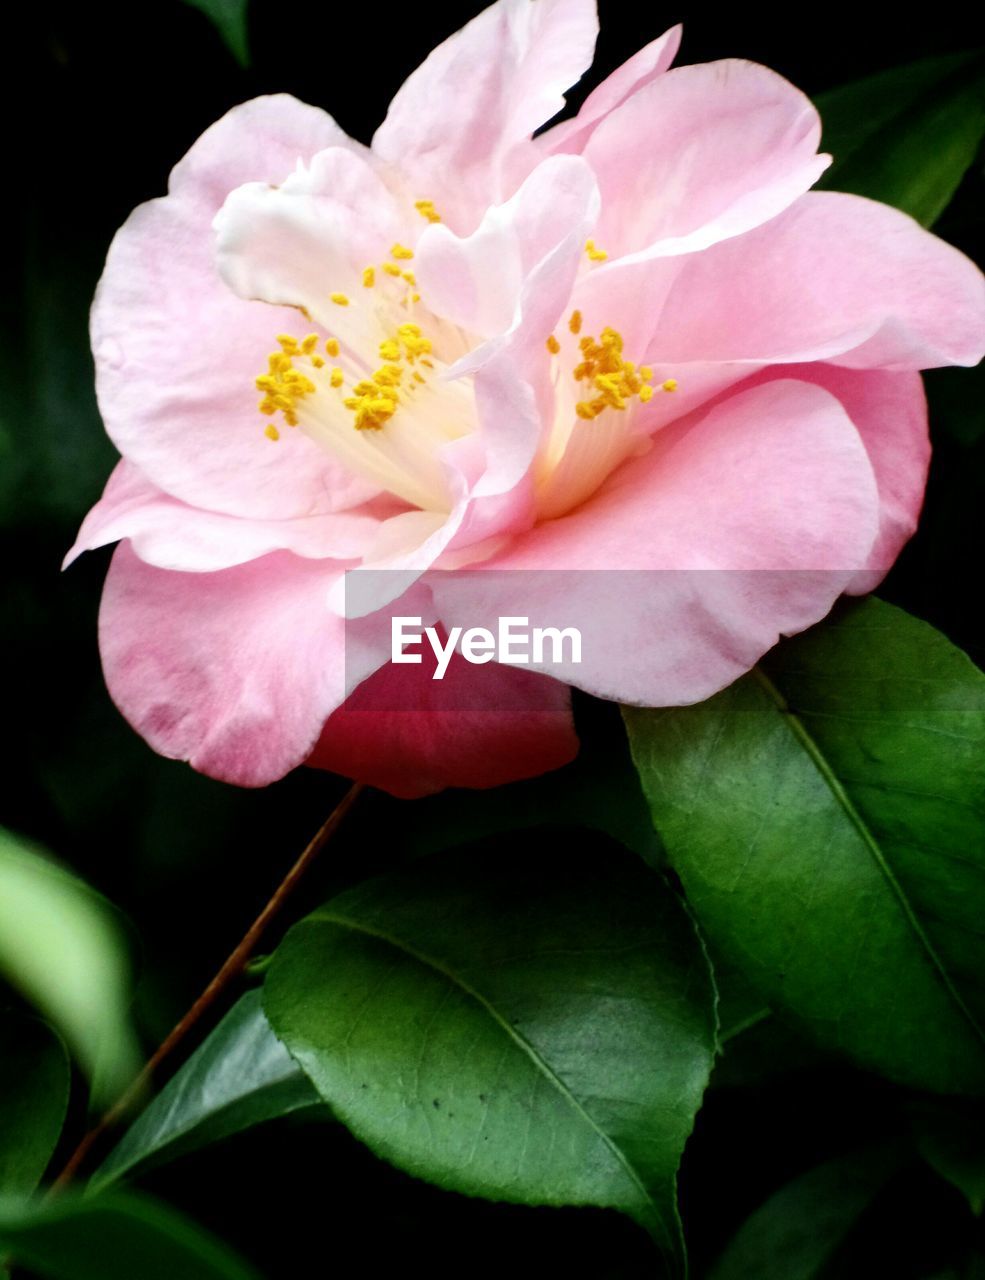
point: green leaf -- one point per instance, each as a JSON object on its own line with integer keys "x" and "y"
{"x": 826, "y": 815}
{"x": 795, "y": 1233}
{"x": 239, "y": 1077}
{"x": 34, "y": 1084}
{"x": 520, "y": 1022}
{"x": 229, "y": 18}
{"x": 598, "y": 790}
{"x": 113, "y": 1237}
{"x": 951, "y": 1138}
{"x": 61, "y": 947}
{"x": 909, "y": 135}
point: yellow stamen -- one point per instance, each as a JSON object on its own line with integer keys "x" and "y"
{"x": 271, "y": 432}
{"x": 391, "y": 268}
{"x": 369, "y": 277}
{"x": 340, "y": 299}
{"x": 596, "y": 255}
{"x": 332, "y": 347}
{"x": 427, "y": 210}
{"x": 335, "y": 378}
{"x": 409, "y": 277}
{"x": 553, "y": 346}
{"x": 574, "y": 324}
{"x": 401, "y": 251}
{"x": 670, "y": 384}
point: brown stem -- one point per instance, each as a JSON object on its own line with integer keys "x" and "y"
{"x": 231, "y": 970}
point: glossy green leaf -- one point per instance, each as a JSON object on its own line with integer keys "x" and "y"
{"x": 113, "y": 1237}
{"x": 61, "y": 947}
{"x": 951, "y": 1138}
{"x": 826, "y": 815}
{"x": 239, "y": 1077}
{"x": 229, "y": 17}
{"x": 34, "y": 1084}
{"x": 521, "y": 1022}
{"x": 795, "y": 1233}
{"x": 907, "y": 136}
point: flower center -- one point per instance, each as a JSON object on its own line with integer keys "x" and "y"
{"x": 388, "y": 416}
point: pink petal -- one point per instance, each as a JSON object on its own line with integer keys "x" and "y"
{"x": 235, "y": 672}
{"x": 171, "y": 535}
{"x": 889, "y": 411}
{"x": 635, "y": 73}
{"x": 837, "y": 278}
{"x": 476, "y": 281}
{"x": 310, "y": 237}
{"x": 747, "y": 521}
{"x": 479, "y": 727}
{"x": 700, "y": 154}
{"x": 482, "y": 92}
{"x": 177, "y": 353}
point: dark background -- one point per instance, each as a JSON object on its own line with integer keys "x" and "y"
{"x": 104, "y": 99}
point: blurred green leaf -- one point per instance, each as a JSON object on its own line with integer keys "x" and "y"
{"x": 951, "y": 1138}
{"x": 61, "y": 947}
{"x": 907, "y": 136}
{"x": 34, "y": 1085}
{"x": 239, "y": 1077}
{"x": 826, "y": 816}
{"x": 524, "y": 1023}
{"x": 795, "y": 1233}
{"x": 229, "y": 17}
{"x": 113, "y": 1237}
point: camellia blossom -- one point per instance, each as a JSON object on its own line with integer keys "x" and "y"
{"x": 634, "y": 341}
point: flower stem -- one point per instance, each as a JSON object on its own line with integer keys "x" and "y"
{"x": 228, "y": 973}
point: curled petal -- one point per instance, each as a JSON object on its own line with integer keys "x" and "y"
{"x": 480, "y": 94}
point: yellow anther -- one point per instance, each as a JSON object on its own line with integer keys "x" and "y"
{"x": 586, "y": 410}
{"x": 418, "y": 377}
{"x": 409, "y": 277}
{"x": 574, "y": 324}
{"x": 288, "y": 344}
{"x": 282, "y": 385}
{"x": 553, "y": 346}
{"x": 317, "y": 361}
{"x": 670, "y": 384}
{"x": 415, "y": 297}
{"x": 369, "y": 277}
{"x": 615, "y": 379}
{"x": 309, "y": 343}
{"x": 390, "y": 350}
{"x": 646, "y": 373}
{"x": 335, "y": 378}
{"x": 391, "y": 268}
{"x": 332, "y": 347}
{"x": 646, "y": 393}
{"x": 401, "y": 251}
{"x": 427, "y": 210}
{"x": 271, "y": 432}
{"x": 340, "y": 299}
{"x": 596, "y": 254}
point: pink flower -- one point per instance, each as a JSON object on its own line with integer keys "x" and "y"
{"x": 636, "y": 341}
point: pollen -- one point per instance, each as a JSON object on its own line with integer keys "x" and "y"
{"x": 336, "y": 378}
{"x": 391, "y": 268}
{"x": 284, "y": 386}
{"x": 340, "y": 299}
{"x": 369, "y": 277}
{"x": 400, "y": 251}
{"x": 553, "y": 346}
{"x": 613, "y": 381}
{"x": 427, "y": 210}
{"x": 596, "y": 254}
{"x": 332, "y": 347}
{"x": 574, "y": 324}
{"x": 271, "y": 432}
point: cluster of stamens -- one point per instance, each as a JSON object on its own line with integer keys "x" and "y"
{"x": 614, "y": 380}
{"x": 610, "y": 380}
